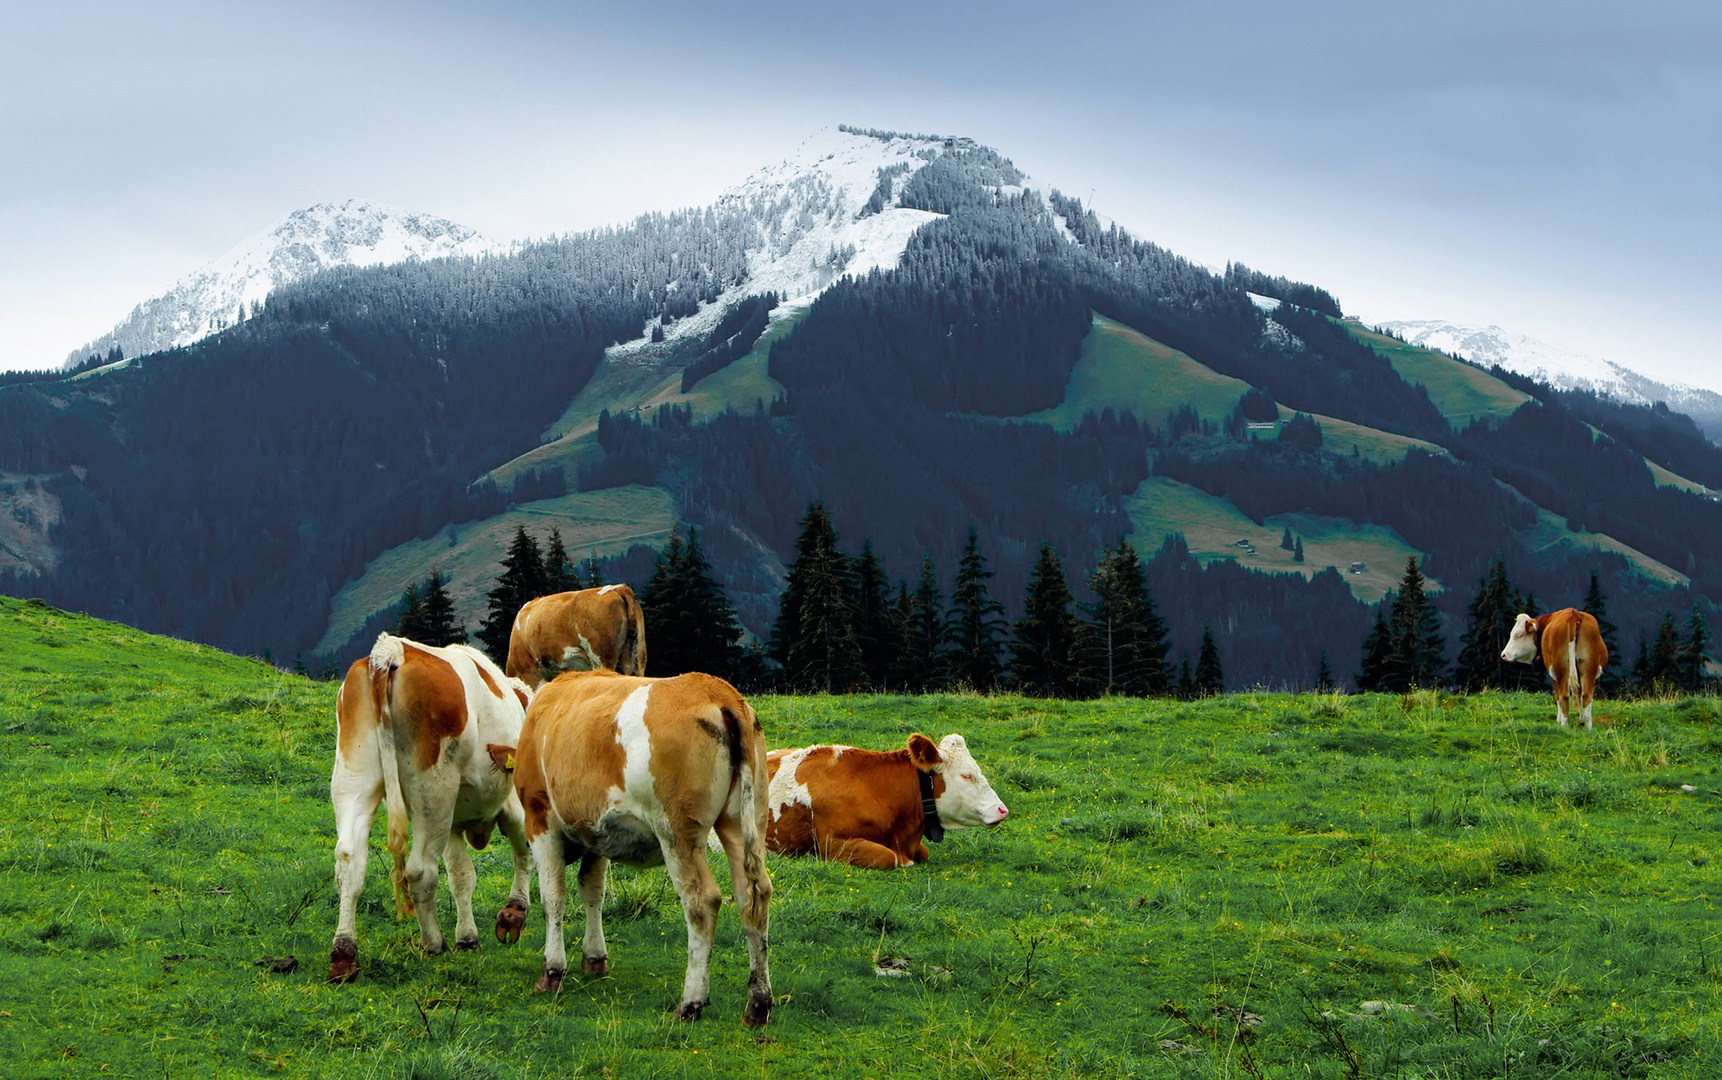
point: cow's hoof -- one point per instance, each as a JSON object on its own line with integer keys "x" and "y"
{"x": 690, "y": 1010}
{"x": 344, "y": 962}
{"x": 466, "y": 944}
{"x": 549, "y": 983}
{"x": 510, "y": 921}
{"x": 434, "y": 948}
{"x": 758, "y": 1012}
{"x": 594, "y": 965}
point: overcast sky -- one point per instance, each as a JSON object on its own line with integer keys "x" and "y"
{"x": 1550, "y": 168}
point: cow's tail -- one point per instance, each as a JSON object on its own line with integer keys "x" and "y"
{"x": 1573, "y": 684}
{"x": 387, "y": 655}
{"x": 632, "y": 658}
{"x": 748, "y": 785}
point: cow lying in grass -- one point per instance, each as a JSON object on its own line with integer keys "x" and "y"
{"x": 876, "y": 809}
{"x": 430, "y": 730}
{"x": 1569, "y": 643}
{"x": 640, "y": 771}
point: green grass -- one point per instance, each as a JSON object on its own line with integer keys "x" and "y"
{"x": 1373, "y": 444}
{"x": 1463, "y": 393}
{"x": 1667, "y": 478}
{"x": 1554, "y": 533}
{"x": 1127, "y": 371}
{"x": 1212, "y": 526}
{"x": 1252, "y": 885}
{"x": 607, "y": 522}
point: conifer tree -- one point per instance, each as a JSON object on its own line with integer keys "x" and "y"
{"x": 814, "y": 637}
{"x": 1126, "y": 639}
{"x": 1323, "y": 675}
{"x": 1045, "y": 643}
{"x": 1186, "y": 686}
{"x": 1286, "y": 539}
{"x": 975, "y": 625}
{"x": 437, "y": 621}
{"x": 1209, "y": 678}
{"x": 1377, "y": 652}
{"x": 559, "y": 572}
{"x": 873, "y": 627}
{"x": 594, "y": 572}
{"x": 1297, "y": 550}
{"x": 920, "y": 664}
{"x": 1609, "y": 681}
{"x": 522, "y": 579}
{"x": 1415, "y": 660}
{"x": 1692, "y": 652}
{"x": 410, "y": 622}
{"x": 1641, "y": 666}
{"x": 1489, "y": 622}
{"x": 1663, "y": 672}
{"x": 693, "y": 625}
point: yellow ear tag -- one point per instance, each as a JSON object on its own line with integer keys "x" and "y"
{"x": 508, "y": 763}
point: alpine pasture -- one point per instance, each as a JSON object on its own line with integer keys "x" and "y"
{"x": 1252, "y": 885}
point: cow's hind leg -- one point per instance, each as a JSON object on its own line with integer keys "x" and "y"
{"x": 511, "y": 920}
{"x": 462, "y": 879}
{"x": 692, "y": 877}
{"x": 553, "y": 891}
{"x": 355, "y": 794}
{"x": 752, "y": 890}
{"x": 432, "y": 818}
{"x": 594, "y": 956}
{"x": 858, "y": 852}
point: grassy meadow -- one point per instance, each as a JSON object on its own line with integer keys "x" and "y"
{"x": 1255, "y": 885}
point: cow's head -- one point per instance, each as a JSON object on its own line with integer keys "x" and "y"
{"x": 968, "y": 800}
{"x": 1522, "y": 642}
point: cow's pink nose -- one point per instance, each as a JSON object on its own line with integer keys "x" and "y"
{"x": 1003, "y": 813}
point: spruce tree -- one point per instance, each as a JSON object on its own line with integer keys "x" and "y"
{"x": 975, "y": 626}
{"x": 1641, "y": 666}
{"x": 1609, "y": 681}
{"x": 1045, "y": 642}
{"x": 1415, "y": 659}
{"x": 664, "y": 602}
{"x": 873, "y": 627}
{"x": 1209, "y": 678}
{"x": 437, "y": 623}
{"x": 559, "y": 572}
{"x": 1126, "y": 639}
{"x": 522, "y": 579}
{"x": 921, "y": 664}
{"x": 1286, "y": 539}
{"x": 1297, "y": 550}
{"x": 1323, "y": 675}
{"x": 1377, "y": 652}
{"x": 409, "y": 623}
{"x": 1692, "y": 652}
{"x": 1488, "y": 623}
{"x": 594, "y": 572}
{"x": 1663, "y": 673}
{"x": 1186, "y": 685}
{"x": 814, "y": 637}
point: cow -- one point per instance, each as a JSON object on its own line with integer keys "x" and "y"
{"x": 876, "y": 809}
{"x": 578, "y": 631}
{"x": 1570, "y": 645}
{"x": 619, "y": 767}
{"x": 431, "y": 731}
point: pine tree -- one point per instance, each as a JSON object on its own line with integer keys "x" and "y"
{"x": 1286, "y": 539}
{"x": 594, "y": 572}
{"x": 1662, "y": 675}
{"x": 1323, "y": 675}
{"x": 1377, "y": 652}
{"x": 1209, "y": 678}
{"x": 1641, "y": 666}
{"x": 1126, "y": 639}
{"x": 873, "y": 627}
{"x": 522, "y": 579}
{"x": 1297, "y": 550}
{"x": 437, "y": 622}
{"x": 975, "y": 625}
{"x": 814, "y": 637}
{"x": 1045, "y": 643}
{"x": 410, "y": 622}
{"x": 920, "y": 664}
{"x": 1609, "y": 681}
{"x": 1692, "y": 653}
{"x": 1489, "y": 622}
{"x": 1415, "y": 660}
{"x": 559, "y": 572}
{"x": 664, "y": 604}
{"x": 693, "y": 624}
{"x": 1186, "y": 686}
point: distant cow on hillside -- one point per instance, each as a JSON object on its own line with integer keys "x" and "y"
{"x": 433, "y": 732}
{"x": 1569, "y": 643}
{"x": 578, "y": 631}
{"x": 876, "y": 809}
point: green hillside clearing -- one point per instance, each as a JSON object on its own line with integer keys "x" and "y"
{"x": 1463, "y": 393}
{"x": 1373, "y": 444}
{"x": 1554, "y": 533}
{"x": 1128, "y": 371}
{"x": 606, "y": 522}
{"x": 1666, "y": 478}
{"x": 1212, "y": 526}
{"x": 1252, "y": 885}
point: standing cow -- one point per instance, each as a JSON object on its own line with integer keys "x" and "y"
{"x": 640, "y": 770}
{"x": 430, "y": 730}
{"x": 1570, "y": 645}
{"x": 877, "y": 809}
{"x": 578, "y": 631}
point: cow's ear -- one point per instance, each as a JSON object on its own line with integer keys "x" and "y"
{"x": 923, "y": 752}
{"x": 503, "y": 756}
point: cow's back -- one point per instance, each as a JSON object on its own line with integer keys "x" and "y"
{"x": 1572, "y": 645}
{"x": 581, "y": 630}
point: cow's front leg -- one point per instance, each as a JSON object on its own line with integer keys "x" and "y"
{"x": 858, "y": 852}
{"x": 511, "y": 920}
{"x": 553, "y": 890}
{"x": 692, "y": 877}
{"x": 462, "y": 879}
{"x": 594, "y": 957}
{"x": 1561, "y": 704}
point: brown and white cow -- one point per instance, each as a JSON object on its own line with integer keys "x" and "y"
{"x": 640, "y": 771}
{"x": 431, "y": 731}
{"x": 876, "y": 809}
{"x": 1570, "y": 645}
{"x": 578, "y": 631}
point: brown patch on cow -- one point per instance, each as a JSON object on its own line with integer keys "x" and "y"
{"x": 489, "y": 682}
{"x": 610, "y": 622}
{"x": 437, "y": 708}
{"x": 355, "y": 717}
{"x": 572, "y": 722}
{"x": 924, "y": 752}
{"x": 867, "y": 805}
{"x": 522, "y": 696}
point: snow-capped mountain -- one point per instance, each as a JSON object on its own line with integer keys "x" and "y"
{"x": 350, "y": 233}
{"x": 1566, "y": 369}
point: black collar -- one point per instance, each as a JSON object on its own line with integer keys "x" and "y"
{"x": 931, "y": 827}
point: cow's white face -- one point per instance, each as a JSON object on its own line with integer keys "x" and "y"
{"x": 1522, "y": 642}
{"x": 968, "y": 800}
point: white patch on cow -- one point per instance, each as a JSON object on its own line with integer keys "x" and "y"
{"x": 968, "y": 800}
{"x": 581, "y": 657}
{"x": 636, "y": 743}
{"x": 608, "y": 589}
{"x": 1521, "y": 645}
{"x": 786, "y": 790}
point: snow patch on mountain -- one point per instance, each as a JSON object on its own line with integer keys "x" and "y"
{"x": 224, "y": 291}
{"x": 1566, "y": 369}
